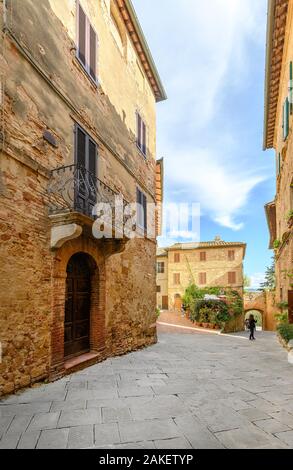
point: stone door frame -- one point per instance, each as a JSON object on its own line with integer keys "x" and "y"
{"x": 97, "y": 312}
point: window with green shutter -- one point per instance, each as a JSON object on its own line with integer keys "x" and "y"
{"x": 286, "y": 112}
{"x": 291, "y": 88}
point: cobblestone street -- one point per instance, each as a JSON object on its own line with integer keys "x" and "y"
{"x": 191, "y": 390}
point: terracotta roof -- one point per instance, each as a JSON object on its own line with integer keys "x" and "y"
{"x": 217, "y": 243}
{"x": 271, "y": 215}
{"x": 135, "y": 31}
{"x": 276, "y": 30}
{"x": 162, "y": 252}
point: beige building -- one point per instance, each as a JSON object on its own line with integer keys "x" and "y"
{"x": 278, "y": 135}
{"x": 206, "y": 264}
{"x": 79, "y": 90}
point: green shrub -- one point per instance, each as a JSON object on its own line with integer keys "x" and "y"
{"x": 210, "y": 311}
{"x": 282, "y": 318}
{"x": 286, "y": 331}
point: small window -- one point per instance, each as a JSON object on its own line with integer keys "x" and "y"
{"x": 231, "y": 255}
{"x": 141, "y": 134}
{"x": 160, "y": 268}
{"x": 87, "y": 44}
{"x": 203, "y": 256}
{"x": 177, "y": 258}
{"x": 232, "y": 278}
{"x": 141, "y": 216}
{"x": 158, "y": 289}
{"x": 202, "y": 278}
{"x": 176, "y": 279}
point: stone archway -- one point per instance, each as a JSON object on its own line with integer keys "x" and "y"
{"x": 259, "y": 316}
{"x": 97, "y": 333}
{"x": 263, "y": 302}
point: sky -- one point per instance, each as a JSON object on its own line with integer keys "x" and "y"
{"x": 211, "y": 59}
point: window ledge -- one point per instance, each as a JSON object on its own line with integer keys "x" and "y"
{"x": 95, "y": 84}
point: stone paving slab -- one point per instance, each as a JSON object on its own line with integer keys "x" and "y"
{"x": 188, "y": 391}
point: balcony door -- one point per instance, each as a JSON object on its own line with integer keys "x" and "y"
{"x": 86, "y": 185}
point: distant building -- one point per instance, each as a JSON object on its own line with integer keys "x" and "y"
{"x": 206, "y": 264}
{"x": 278, "y": 136}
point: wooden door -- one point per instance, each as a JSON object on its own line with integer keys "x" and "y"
{"x": 165, "y": 302}
{"x": 177, "y": 302}
{"x": 290, "y": 306}
{"x": 77, "y": 307}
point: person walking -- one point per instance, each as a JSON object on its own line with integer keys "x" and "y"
{"x": 252, "y": 327}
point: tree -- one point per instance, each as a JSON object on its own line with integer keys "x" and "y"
{"x": 270, "y": 278}
{"x": 246, "y": 281}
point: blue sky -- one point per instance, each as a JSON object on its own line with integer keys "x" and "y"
{"x": 211, "y": 58}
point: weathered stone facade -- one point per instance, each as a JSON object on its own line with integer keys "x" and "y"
{"x": 47, "y": 90}
{"x": 206, "y": 264}
{"x": 278, "y": 135}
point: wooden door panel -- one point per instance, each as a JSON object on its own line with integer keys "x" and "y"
{"x": 77, "y": 307}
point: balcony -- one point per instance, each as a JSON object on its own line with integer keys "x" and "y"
{"x": 74, "y": 195}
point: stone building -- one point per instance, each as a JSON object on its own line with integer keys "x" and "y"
{"x": 206, "y": 264}
{"x": 78, "y": 127}
{"x": 278, "y": 135}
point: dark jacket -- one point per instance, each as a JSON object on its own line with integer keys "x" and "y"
{"x": 252, "y": 324}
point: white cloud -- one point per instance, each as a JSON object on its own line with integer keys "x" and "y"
{"x": 256, "y": 280}
{"x": 203, "y": 50}
{"x": 222, "y": 190}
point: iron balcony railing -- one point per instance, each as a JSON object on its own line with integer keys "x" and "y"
{"x": 74, "y": 189}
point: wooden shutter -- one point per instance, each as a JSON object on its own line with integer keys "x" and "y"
{"x": 291, "y": 88}
{"x": 81, "y": 148}
{"x": 232, "y": 278}
{"x": 143, "y": 138}
{"x": 177, "y": 279}
{"x": 203, "y": 256}
{"x": 231, "y": 255}
{"x": 202, "y": 278}
{"x": 82, "y": 20}
{"x": 144, "y": 201}
{"x": 286, "y": 119}
{"x": 93, "y": 53}
{"x": 92, "y": 157}
{"x": 177, "y": 258}
{"x": 138, "y": 130}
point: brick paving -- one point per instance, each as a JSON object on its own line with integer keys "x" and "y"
{"x": 191, "y": 390}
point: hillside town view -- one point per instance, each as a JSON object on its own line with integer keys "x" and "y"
{"x": 146, "y": 225}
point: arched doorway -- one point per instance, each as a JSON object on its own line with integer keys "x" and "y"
{"x": 258, "y": 315}
{"x": 77, "y": 305}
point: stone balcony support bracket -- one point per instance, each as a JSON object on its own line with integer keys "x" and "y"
{"x": 60, "y": 234}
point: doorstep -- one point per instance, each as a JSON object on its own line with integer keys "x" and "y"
{"x": 80, "y": 362}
